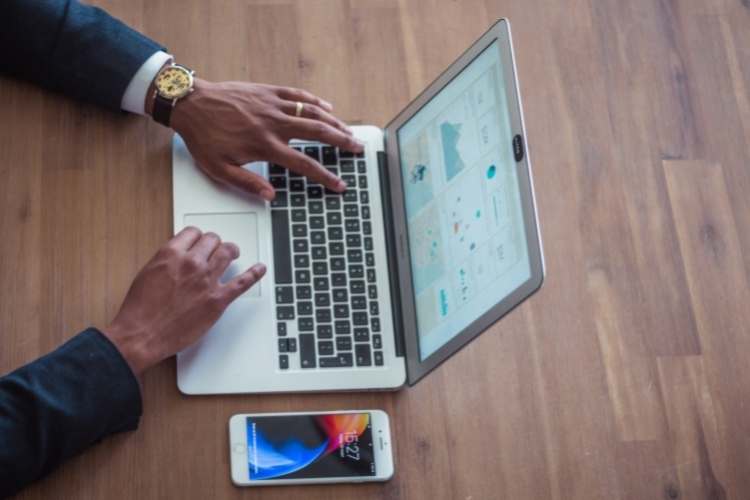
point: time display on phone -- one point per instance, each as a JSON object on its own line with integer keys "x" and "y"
{"x": 310, "y": 446}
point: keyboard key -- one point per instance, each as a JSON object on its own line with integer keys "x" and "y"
{"x": 347, "y": 166}
{"x": 378, "y": 358}
{"x": 336, "y": 248}
{"x": 356, "y": 271}
{"x": 362, "y": 182}
{"x": 361, "y": 334}
{"x": 297, "y": 200}
{"x": 361, "y": 167}
{"x": 291, "y": 344}
{"x": 368, "y": 243}
{"x": 284, "y": 295}
{"x": 318, "y": 237}
{"x": 299, "y": 230}
{"x": 300, "y": 246}
{"x": 340, "y": 295}
{"x": 358, "y": 302}
{"x": 322, "y": 300}
{"x": 370, "y": 259}
{"x": 305, "y": 324}
{"x": 345, "y": 359}
{"x": 320, "y": 284}
{"x": 353, "y": 240}
{"x": 372, "y": 291}
{"x": 314, "y": 192}
{"x": 278, "y": 182}
{"x": 304, "y": 308}
{"x": 281, "y": 329}
{"x": 333, "y": 218}
{"x": 335, "y": 233}
{"x": 276, "y": 169}
{"x": 351, "y": 226}
{"x": 315, "y": 207}
{"x": 338, "y": 279}
{"x": 304, "y": 292}
{"x": 299, "y": 215}
{"x": 283, "y": 346}
{"x": 302, "y": 276}
{"x": 361, "y": 154}
{"x": 354, "y": 255}
{"x": 296, "y": 185}
{"x": 282, "y": 255}
{"x": 284, "y": 312}
{"x": 301, "y": 260}
{"x": 335, "y": 171}
{"x": 340, "y": 310}
{"x": 325, "y": 348}
{"x": 323, "y": 315}
{"x": 374, "y": 308}
{"x": 343, "y": 344}
{"x": 283, "y": 361}
{"x": 297, "y": 149}
{"x": 320, "y": 268}
{"x": 345, "y": 154}
{"x": 375, "y": 324}
{"x": 351, "y": 210}
{"x": 349, "y": 180}
{"x": 280, "y": 200}
{"x": 362, "y": 355}
{"x": 366, "y": 228}
{"x": 377, "y": 341}
{"x": 307, "y": 350}
{"x": 317, "y": 222}
{"x": 329, "y": 155}
{"x": 313, "y": 152}
{"x": 319, "y": 253}
{"x": 342, "y": 327}
{"x": 359, "y": 318}
{"x": 333, "y": 202}
{"x": 365, "y": 212}
{"x": 350, "y": 196}
{"x": 364, "y": 197}
{"x": 338, "y": 264}
{"x": 325, "y": 332}
{"x": 371, "y": 275}
{"x": 357, "y": 286}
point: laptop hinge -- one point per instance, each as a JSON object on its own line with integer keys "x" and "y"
{"x": 390, "y": 242}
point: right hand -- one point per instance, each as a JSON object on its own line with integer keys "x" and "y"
{"x": 177, "y": 297}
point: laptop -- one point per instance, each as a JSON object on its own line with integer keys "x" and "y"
{"x": 435, "y": 239}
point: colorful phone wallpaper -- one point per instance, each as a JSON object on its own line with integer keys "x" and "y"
{"x": 310, "y": 446}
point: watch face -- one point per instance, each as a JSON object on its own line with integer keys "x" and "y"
{"x": 174, "y": 82}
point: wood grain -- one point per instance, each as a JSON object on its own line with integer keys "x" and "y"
{"x": 624, "y": 378}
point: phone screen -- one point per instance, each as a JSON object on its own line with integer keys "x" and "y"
{"x": 310, "y": 446}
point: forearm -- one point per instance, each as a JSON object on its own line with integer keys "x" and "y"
{"x": 58, "y": 405}
{"x": 72, "y": 48}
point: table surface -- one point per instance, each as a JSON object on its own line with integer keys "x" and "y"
{"x": 625, "y": 377}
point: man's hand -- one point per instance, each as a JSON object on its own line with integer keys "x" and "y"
{"x": 177, "y": 297}
{"x": 228, "y": 124}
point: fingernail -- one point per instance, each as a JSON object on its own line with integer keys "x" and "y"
{"x": 341, "y": 186}
{"x": 259, "y": 269}
{"x": 328, "y": 105}
{"x": 267, "y": 194}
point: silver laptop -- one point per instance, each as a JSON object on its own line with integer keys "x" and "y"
{"x": 435, "y": 239}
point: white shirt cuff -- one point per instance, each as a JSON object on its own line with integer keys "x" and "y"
{"x": 134, "y": 98}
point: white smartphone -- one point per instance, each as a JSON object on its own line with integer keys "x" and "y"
{"x": 310, "y": 448}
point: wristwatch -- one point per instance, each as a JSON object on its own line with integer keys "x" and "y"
{"x": 172, "y": 82}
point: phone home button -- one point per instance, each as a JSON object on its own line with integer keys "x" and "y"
{"x": 238, "y": 448}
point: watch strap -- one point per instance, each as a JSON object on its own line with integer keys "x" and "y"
{"x": 162, "y": 112}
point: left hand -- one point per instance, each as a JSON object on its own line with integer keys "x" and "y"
{"x": 228, "y": 124}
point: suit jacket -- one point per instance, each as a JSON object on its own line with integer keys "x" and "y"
{"x": 65, "y": 401}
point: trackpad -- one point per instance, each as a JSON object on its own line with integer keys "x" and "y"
{"x": 238, "y": 228}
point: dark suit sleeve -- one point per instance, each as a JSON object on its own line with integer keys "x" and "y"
{"x": 72, "y": 48}
{"x": 54, "y": 407}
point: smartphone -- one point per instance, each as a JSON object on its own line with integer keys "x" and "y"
{"x": 309, "y": 448}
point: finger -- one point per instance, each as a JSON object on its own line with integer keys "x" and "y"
{"x": 222, "y": 257}
{"x": 249, "y": 182}
{"x": 314, "y": 112}
{"x": 305, "y": 128}
{"x": 185, "y": 239}
{"x": 303, "y": 96}
{"x": 206, "y": 245}
{"x": 242, "y": 283}
{"x": 304, "y": 165}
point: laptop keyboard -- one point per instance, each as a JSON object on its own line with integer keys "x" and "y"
{"x": 325, "y": 266}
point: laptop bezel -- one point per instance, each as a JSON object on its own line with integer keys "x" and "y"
{"x": 417, "y": 368}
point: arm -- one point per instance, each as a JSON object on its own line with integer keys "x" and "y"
{"x": 62, "y": 403}
{"x": 71, "y": 48}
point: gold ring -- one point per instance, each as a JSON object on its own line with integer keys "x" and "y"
{"x": 298, "y": 113}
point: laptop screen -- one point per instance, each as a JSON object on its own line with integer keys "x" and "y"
{"x": 465, "y": 222}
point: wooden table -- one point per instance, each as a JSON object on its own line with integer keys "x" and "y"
{"x": 626, "y": 377}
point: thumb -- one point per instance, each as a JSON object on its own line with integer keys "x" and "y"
{"x": 243, "y": 282}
